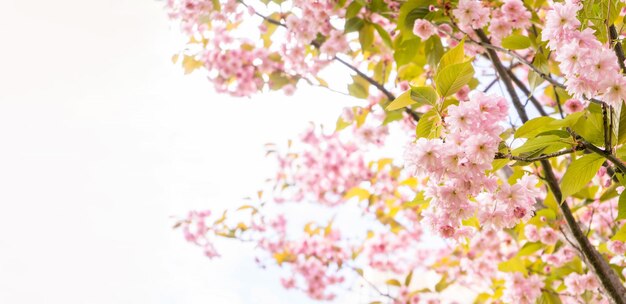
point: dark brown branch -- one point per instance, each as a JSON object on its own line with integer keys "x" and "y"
{"x": 607, "y": 276}
{"x": 609, "y": 279}
{"x": 604, "y": 153}
{"x": 606, "y": 116}
{"x": 378, "y": 85}
{"x": 494, "y": 81}
{"x": 558, "y": 102}
{"x": 373, "y": 82}
{"x": 619, "y": 50}
{"x": 526, "y": 91}
{"x": 546, "y": 77}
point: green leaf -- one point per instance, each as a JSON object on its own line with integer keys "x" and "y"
{"x": 384, "y": 35}
{"x": 404, "y": 100}
{"x": 621, "y": 137}
{"x": 359, "y": 88}
{"x": 540, "y": 61}
{"x": 533, "y": 127}
{"x": 426, "y": 127}
{"x": 453, "y": 77}
{"x": 568, "y": 121}
{"x": 529, "y": 248}
{"x": 515, "y": 264}
{"x": 425, "y": 95}
{"x": 393, "y": 282}
{"x": 579, "y": 173}
{"x": 341, "y": 124}
{"x": 353, "y": 25}
{"x": 366, "y": 36}
{"x": 620, "y": 235}
{"x": 453, "y": 56}
{"x": 537, "y": 143}
{"x": 433, "y": 50}
{"x": 407, "y": 280}
{"x": 353, "y": 9}
{"x": 621, "y": 207}
{"x": 443, "y": 283}
{"x": 591, "y": 127}
{"x": 516, "y": 42}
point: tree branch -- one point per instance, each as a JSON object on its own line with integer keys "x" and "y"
{"x": 607, "y": 276}
{"x": 541, "y": 157}
{"x": 526, "y": 91}
{"x": 504, "y": 75}
{"x": 619, "y": 50}
{"x": 609, "y": 279}
{"x": 373, "y": 82}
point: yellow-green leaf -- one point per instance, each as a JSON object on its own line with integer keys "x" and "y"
{"x": 404, "y": 100}
{"x": 361, "y": 193}
{"x": 621, "y": 207}
{"x": 453, "y": 77}
{"x": 516, "y": 42}
{"x": 534, "y": 127}
{"x": 427, "y": 125}
{"x": 516, "y": 264}
{"x": 453, "y": 56}
{"x": 424, "y": 95}
{"x": 579, "y": 173}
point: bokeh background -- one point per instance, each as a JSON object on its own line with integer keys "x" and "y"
{"x": 103, "y": 140}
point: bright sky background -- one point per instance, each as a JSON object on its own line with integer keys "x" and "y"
{"x": 103, "y": 139}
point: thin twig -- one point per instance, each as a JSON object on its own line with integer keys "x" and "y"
{"x": 541, "y": 157}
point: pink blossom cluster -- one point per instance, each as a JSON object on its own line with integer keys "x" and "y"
{"x": 405, "y": 296}
{"x": 617, "y": 247}
{"x": 313, "y": 19}
{"x": 511, "y": 15}
{"x": 577, "y": 284}
{"x": 456, "y": 165}
{"x": 545, "y": 235}
{"x": 241, "y": 67}
{"x": 326, "y": 168}
{"x": 372, "y": 131}
{"x": 522, "y": 290}
{"x": 238, "y": 71}
{"x": 599, "y": 216}
{"x": 195, "y": 15}
{"x": 559, "y": 258}
{"x": 590, "y": 68}
{"x": 313, "y": 260}
{"x": 395, "y": 252}
{"x": 471, "y": 14}
{"x": 195, "y": 229}
{"x": 478, "y": 266}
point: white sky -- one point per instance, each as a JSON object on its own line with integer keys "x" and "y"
{"x": 103, "y": 139}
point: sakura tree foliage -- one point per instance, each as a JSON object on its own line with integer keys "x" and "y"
{"x": 510, "y": 185}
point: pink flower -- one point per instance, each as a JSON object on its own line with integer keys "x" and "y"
{"x": 336, "y": 43}
{"x": 548, "y": 236}
{"x": 519, "y": 289}
{"x": 617, "y": 247}
{"x": 471, "y": 14}
{"x": 616, "y": 91}
{"x": 577, "y": 284}
{"x": 573, "y": 105}
{"x": 289, "y": 89}
{"x": 532, "y": 233}
{"x": 423, "y": 29}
